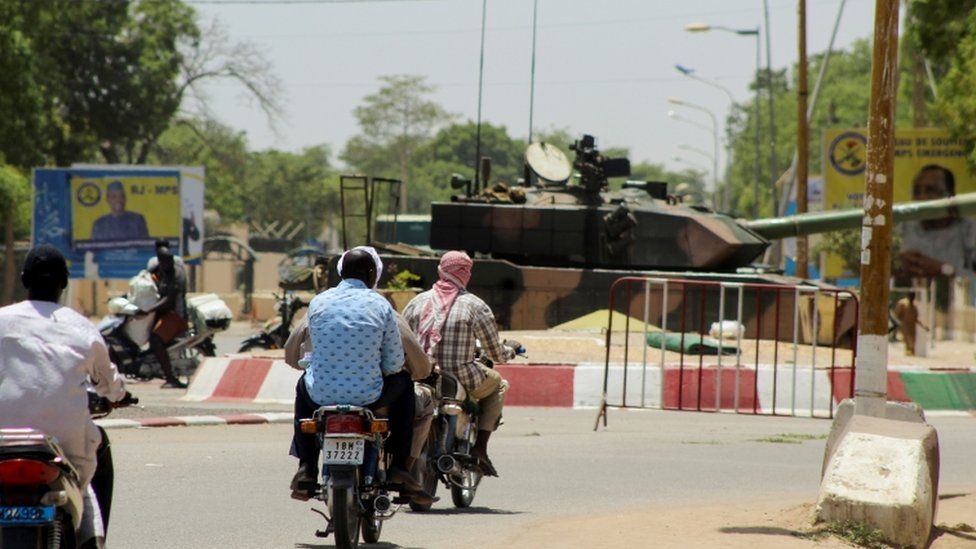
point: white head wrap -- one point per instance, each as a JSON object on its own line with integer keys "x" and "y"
{"x": 376, "y": 260}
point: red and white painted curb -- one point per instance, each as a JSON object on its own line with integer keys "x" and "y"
{"x": 235, "y": 378}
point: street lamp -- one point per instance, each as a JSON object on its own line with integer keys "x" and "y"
{"x": 690, "y": 73}
{"x": 685, "y": 161}
{"x": 681, "y": 102}
{"x": 704, "y": 27}
{"x": 675, "y": 116}
{"x": 696, "y": 150}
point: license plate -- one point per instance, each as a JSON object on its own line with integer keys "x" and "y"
{"x": 344, "y": 451}
{"x": 26, "y": 515}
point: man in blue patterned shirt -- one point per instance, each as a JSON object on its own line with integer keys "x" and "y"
{"x": 357, "y": 359}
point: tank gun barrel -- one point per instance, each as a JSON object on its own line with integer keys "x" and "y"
{"x": 962, "y": 205}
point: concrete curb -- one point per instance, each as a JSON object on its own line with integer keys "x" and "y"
{"x": 185, "y": 421}
{"x": 785, "y": 390}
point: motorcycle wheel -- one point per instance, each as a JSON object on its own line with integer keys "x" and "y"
{"x": 345, "y": 517}
{"x": 251, "y": 345}
{"x": 371, "y": 528}
{"x": 423, "y": 471}
{"x": 463, "y": 495}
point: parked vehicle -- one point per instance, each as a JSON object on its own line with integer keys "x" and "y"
{"x": 446, "y": 457}
{"x": 41, "y": 501}
{"x": 275, "y": 331}
{"x": 126, "y": 333}
{"x": 354, "y": 466}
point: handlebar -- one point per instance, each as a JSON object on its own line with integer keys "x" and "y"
{"x": 99, "y": 406}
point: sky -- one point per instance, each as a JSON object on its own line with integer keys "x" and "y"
{"x": 603, "y": 67}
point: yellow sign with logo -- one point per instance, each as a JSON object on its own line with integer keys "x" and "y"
{"x": 124, "y": 212}
{"x": 845, "y": 159}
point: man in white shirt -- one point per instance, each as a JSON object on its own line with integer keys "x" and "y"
{"x": 49, "y": 355}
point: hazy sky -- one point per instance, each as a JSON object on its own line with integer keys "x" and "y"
{"x": 605, "y": 67}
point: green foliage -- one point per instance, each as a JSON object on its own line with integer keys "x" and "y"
{"x": 843, "y": 102}
{"x": 263, "y": 186}
{"x": 403, "y": 280}
{"x": 393, "y": 122}
{"x": 859, "y": 534}
{"x": 15, "y": 200}
{"x": 956, "y": 105}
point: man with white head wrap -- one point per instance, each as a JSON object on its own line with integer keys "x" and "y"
{"x": 357, "y": 359}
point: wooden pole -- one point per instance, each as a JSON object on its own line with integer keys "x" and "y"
{"x": 802, "y": 139}
{"x": 870, "y": 385}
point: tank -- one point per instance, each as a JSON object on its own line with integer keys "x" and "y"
{"x": 555, "y": 219}
{"x": 548, "y": 249}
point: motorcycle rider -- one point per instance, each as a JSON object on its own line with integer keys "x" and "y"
{"x": 357, "y": 359}
{"x": 416, "y": 362}
{"x": 170, "y": 311}
{"x": 448, "y": 319}
{"x": 48, "y": 355}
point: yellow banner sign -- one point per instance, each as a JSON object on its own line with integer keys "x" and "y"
{"x": 124, "y": 212}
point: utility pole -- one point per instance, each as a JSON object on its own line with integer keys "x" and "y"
{"x": 870, "y": 385}
{"x": 802, "y": 140}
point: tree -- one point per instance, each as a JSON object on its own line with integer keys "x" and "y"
{"x": 394, "y": 122}
{"x": 844, "y": 98}
{"x": 956, "y": 106}
{"x": 15, "y": 213}
{"x": 105, "y": 78}
{"x": 452, "y": 151}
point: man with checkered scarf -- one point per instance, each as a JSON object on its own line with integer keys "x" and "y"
{"x": 448, "y": 319}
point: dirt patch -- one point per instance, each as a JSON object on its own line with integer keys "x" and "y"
{"x": 762, "y": 524}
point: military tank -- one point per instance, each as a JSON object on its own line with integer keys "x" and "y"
{"x": 548, "y": 249}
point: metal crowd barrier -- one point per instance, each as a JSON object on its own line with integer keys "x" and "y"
{"x": 786, "y": 360}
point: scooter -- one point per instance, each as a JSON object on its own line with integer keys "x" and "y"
{"x": 41, "y": 501}
{"x": 275, "y": 331}
{"x": 126, "y": 332}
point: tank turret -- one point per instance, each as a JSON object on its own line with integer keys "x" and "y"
{"x": 564, "y": 215}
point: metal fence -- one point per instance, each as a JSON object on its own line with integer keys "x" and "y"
{"x": 728, "y": 346}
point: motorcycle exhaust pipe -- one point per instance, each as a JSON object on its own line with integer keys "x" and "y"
{"x": 382, "y": 504}
{"x": 448, "y": 465}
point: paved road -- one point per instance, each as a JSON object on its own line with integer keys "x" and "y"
{"x": 195, "y": 487}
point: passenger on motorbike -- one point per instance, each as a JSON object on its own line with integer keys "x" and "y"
{"x": 170, "y": 311}
{"x": 448, "y": 320}
{"x": 48, "y": 356}
{"x": 357, "y": 359}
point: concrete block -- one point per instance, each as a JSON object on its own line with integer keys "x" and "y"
{"x": 899, "y": 411}
{"x": 884, "y": 473}
{"x": 264, "y": 306}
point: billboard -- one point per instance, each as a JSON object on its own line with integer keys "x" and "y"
{"x": 845, "y": 159}
{"x": 106, "y": 219}
{"x": 124, "y": 211}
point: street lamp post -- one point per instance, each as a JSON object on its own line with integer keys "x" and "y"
{"x": 690, "y": 73}
{"x": 703, "y": 27}
{"x": 681, "y": 102}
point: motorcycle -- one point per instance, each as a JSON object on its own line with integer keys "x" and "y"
{"x": 126, "y": 332}
{"x": 446, "y": 457}
{"x": 41, "y": 501}
{"x": 353, "y": 479}
{"x": 275, "y": 331}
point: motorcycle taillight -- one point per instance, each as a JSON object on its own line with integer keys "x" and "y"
{"x": 27, "y": 472}
{"x": 344, "y": 423}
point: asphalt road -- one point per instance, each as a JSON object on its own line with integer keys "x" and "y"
{"x": 191, "y": 487}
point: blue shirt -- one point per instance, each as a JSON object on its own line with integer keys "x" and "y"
{"x": 355, "y": 342}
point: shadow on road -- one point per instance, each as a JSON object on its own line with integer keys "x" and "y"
{"x": 765, "y": 530}
{"x": 467, "y": 511}
{"x": 951, "y": 496}
{"x": 380, "y": 545}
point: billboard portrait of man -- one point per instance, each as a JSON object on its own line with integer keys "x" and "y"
{"x": 119, "y": 224}
{"x": 937, "y": 247}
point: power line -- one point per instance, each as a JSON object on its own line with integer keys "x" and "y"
{"x": 273, "y": 2}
